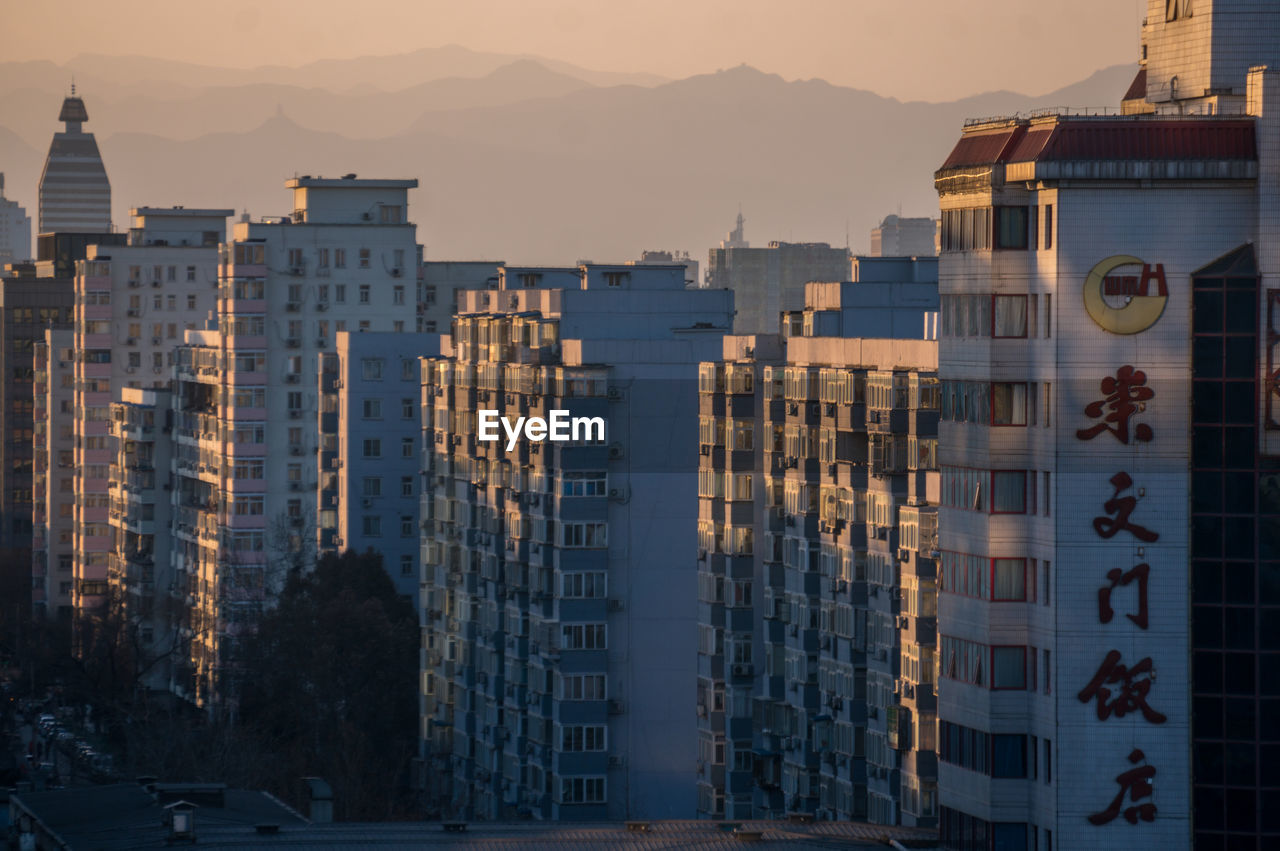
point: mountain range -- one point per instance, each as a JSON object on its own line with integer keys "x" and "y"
{"x": 518, "y": 157}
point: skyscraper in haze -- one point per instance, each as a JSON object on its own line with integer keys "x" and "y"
{"x": 15, "y": 230}
{"x": 75, "y": 194}
{"x": 899, "y": 237}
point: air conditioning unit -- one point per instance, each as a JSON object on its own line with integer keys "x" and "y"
{"x": 295, "y": 414}
{"x": 155, "y": 284}
{"x": 296, "y": 270}
{"x": 293, "y": 342}
{"x": 323, "y": 343}
{"x": 617, "y": 494}
{"x": 135, "y": 284}
{"x": 617, "y": 761}
{"x": 134, "y": 311}
{"x": 293, "y": 306}
{"x": 615, "y": 605}
{"x": 131, "y": 341}
{"x": 616, "y": 451}
{"x": 396, "y": 273}
{"x": 292, "y": 378}
{"x": 366, "y": 502}
{"x": 295, "y": 450}
{"x": 741, "y": 670}
{"x": 295, "y": 486}
{"x": 322, "y": 306}
{"x": 155, "y": 341}
{"x": 615, "y": 394}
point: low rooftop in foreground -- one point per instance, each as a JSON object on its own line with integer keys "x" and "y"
{"x": 128, "y": 816}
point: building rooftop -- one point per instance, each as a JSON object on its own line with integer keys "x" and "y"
{"x": 128, "y": 816}
{"x": 349, "y": 181}
{"x": 73, "y": 110}
{"x": 184, "y": 212}
{"x": 1104, "y": 137}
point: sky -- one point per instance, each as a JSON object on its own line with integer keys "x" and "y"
{"x": 910, "y": 49}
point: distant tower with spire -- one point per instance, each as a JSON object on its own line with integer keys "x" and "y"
{"x": 734, "y": 238}
{"x": 75, "y": 195}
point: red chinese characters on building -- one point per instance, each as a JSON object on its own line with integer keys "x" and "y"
{"x": 1118, "y": 579}
{"x": 1120, "y": 507}
{"x": 1136, "y": 785}
{"x": 1125, "y": 395}
{"x": 1119, "y": 690}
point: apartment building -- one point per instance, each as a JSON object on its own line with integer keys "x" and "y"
{"x": 140, "y": 490}
{"x": 75, "y": 194}
{"x": 53, "y": 482}
{"x": 767, "y": 281}
{"x": 440, "y": 281}
{"x": 896, "y": 236}
{"x": 133, "y": 304}
{"x": 1106, "y": 666}
{"x": 28, "y": 307}
{"x": 377, "y": 431}
{"x": 558, "y": 592}
{"x": 817, "y": 536}
{"x": 248, "y": 429}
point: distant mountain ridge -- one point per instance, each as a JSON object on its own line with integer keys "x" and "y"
{"x": 528, "y": 161}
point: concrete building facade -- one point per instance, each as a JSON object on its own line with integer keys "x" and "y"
{"x": 379, "y": 433}
{"x": 440, "y": 282}
{"x": 1106, "y": 666}
{"x": 558, "y": 591}
{"x": 247, "y": 488}
{"x": 133, "y": 304}
{"x": 53, "y": 484}
{"x": 767, "y": 281}
{"x": 899, "y": 237}
{"x": 817, "y": 556}
{"x": 28, "y": 307}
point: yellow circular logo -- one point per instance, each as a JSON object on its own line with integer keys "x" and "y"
{"x": 1125, "y": 303}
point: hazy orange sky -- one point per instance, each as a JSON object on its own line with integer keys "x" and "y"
{"x": 910, "y": 49}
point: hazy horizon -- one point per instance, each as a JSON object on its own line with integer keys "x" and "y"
{"x": 845, "y": 43}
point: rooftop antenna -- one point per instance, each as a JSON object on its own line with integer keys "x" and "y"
{"x": 73, "y": 85}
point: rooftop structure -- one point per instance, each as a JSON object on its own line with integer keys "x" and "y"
{"x": 75, "y": 194}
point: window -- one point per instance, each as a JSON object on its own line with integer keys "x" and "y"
{"x": 582, "y": 790}
{"x": 371, "y": 369}
{"x": 1008, "y": 492}
{"x": 584, "y": 535}
{"x": 389, "y": 214}
{"x": 406, "y": 565}
{"x": 372, "y": 447}
{"x": 582, "y": 687}
{"x": 407, "y": 409}
{"x": 371, "y": 525}
{"x": 587, "y": 585}
{"x": 1045, "y": 670}
{"x": 1009, "y": 668}
{"x": 191, "y": 297}
{"x": 406, "y": 526}
{"x": 373, "y": 409}
{"x": 397, "y": 294}
{"x": 1008, "y": 404}
{"x": 583, "y": 636}
{"x": 364, "y": 258}
{"x": 1011, "y": 228}
{"x": 371, "y": 486}
{"x": 1044, "y": 584}
{"x": 340, "y": 294}
{"x": 1008, "y": 756}
{"x": 584, "y": 483}
{"x": 1177, "y": 10}
{"x": 340, "y": 259}
{"x": 582, "y": 738}
{"x": 1035, "y": 228}
{"x": 406, "y": 447}
{"x": 406, "y": 485}
{"x": 1048, "y": 226}
{"x": 1045, "y": 498}
{"x": 364, "y": 293}
{"x": 1010, "y": 579}
{"x": 1009, "y": 316}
